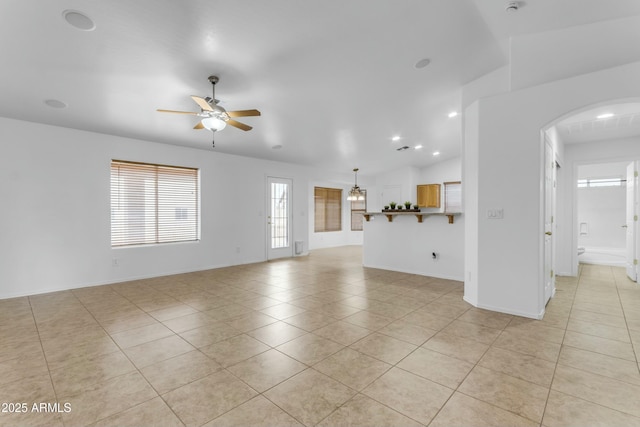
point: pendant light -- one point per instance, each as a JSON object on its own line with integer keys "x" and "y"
{"x": 356, "y": 193}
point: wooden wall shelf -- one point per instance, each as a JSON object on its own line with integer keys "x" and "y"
{"x": 419, "y": 215}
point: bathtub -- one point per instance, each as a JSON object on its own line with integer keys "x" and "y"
{"x": 603, "y": 256}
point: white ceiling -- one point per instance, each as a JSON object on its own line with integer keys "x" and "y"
{"x": 591, "y": 125}
{"x": 334, "y": 80}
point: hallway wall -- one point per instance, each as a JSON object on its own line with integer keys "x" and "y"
{"x": 504, "y": 258}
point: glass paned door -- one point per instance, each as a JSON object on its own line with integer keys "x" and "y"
{"x": 279, "y": 218}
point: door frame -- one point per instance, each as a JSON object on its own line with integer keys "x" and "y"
{"x": 548, "y": 207}
{"x": 268, "y": 252}
{"x": 632, "y": 240}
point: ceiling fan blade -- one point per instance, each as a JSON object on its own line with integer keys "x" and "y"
{"x": 178, "y": 112}
{"x": 238, "y": 125}
{"x": 199, "y": 126}
{"x": 243, "y": 113}
{"x": 202, "y": 103}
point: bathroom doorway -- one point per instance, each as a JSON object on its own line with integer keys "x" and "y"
{"x": 601, "y": 209}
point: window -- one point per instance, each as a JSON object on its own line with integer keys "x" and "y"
{"x": 601, "y": 182}
{"x": 453, "y": 196}
{"x": 153, "y": 204}
{"x": 358, "y": 207}
{"x": 327, "y": 209}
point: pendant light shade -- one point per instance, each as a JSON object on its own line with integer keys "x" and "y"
{"x": 356, "y": 193}
{"x": 213, "y": 123}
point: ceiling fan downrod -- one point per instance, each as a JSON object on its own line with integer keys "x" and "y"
{"x": 213, "y": 80}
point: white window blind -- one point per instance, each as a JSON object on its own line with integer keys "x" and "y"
{"x": 453, "y": 196}
{"x": 153, "y": 203}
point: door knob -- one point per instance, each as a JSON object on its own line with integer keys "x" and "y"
{"x": 624, "y": 226}
{"x": 548, "y": 233}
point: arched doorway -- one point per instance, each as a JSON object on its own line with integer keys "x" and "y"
{"x": 600, "y": 134}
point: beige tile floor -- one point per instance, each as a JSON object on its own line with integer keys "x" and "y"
{"x": 320, "y": 340}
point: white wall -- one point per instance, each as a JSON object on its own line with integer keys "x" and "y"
{"x": 406, "y": 245}
{"x": 470, "y": 203}
{"x": 395, "y": 186}
{"x": 603, "y": 212}
{"x": 345, "y": 236}
{"x": 54, "y": 183}
{"x": 506, "y": 150}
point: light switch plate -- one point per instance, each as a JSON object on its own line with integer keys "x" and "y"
{"x": 495, "y": 213}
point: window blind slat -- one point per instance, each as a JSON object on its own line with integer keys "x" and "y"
{"x": 358, "y": 207}
{"x": 453, "y": 196}
{"x": 153, "y": 204}
{"x": 327, "y": 209}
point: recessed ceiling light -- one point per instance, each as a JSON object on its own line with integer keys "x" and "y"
{"x": 395, "y": 138}
{"x": 277, "y": 147}
{"x": 422, "y": 63}
{"x": 605, "y": 116}
{"x": 436, "y": 153}
{"x": 453, "y": 114}
{"x": 54, "y": 103}
{"x": 78, "y": 20}
{"x": 417, "y": 147}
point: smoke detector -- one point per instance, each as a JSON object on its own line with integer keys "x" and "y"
{"x": 512, "y": 7}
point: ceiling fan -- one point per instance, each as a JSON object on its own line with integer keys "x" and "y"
{"x": 214, "y": 117}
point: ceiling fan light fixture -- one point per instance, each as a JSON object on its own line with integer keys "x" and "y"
{"x": 213, "y": 124}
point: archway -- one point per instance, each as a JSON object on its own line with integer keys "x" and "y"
{"x": 597, "y": 134}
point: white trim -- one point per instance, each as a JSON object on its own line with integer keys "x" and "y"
{"x": 537, "y": 316}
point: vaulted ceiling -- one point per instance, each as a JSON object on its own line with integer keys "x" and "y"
{"x": 335, "y": 80}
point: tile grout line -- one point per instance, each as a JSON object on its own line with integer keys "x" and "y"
{"x": 626, "y": 323}
{"x": 557, "y": 362}
{"x": 55, "y": 393}
{"x": 137, "y": 369}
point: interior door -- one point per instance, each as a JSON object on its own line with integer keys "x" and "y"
{"x": 279, "y": 244}
{"x": 549, "y": 192}
{"x": 631, "y": 221}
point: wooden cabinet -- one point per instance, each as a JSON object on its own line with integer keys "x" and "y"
{"x": 429, "y": 195}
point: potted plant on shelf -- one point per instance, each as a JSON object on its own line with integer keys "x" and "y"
{"x": 392, "y": 205}
{"x": 407, "y": 205}
{"x": 399, "y": 207}
{"x": 386, "y": 208}
{"x": 416, "y": 208}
